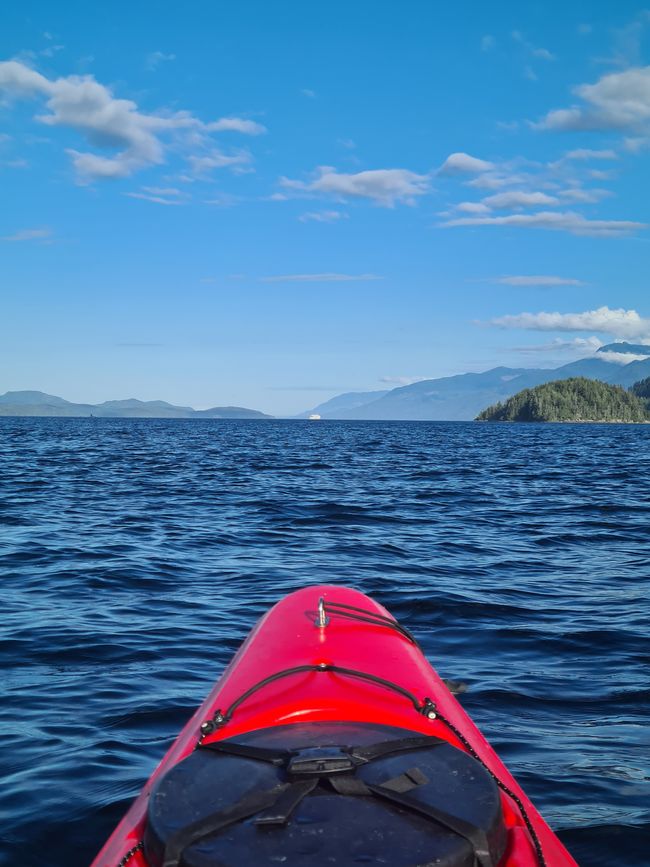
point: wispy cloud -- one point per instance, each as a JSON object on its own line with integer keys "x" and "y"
{"x": 488, "y": 42}
{"x": 160, "y": 195}
{"x": 583, "y": 346}
{"x": 537, "y": 280}
{"x": 628, "y": 41}
{"x": 559, "y": 221}
{"x": 140, "y": 139}
{"x": 534, "y": 51}
{"x": 43, "y": 234}
{"x": 385, "y": 187}
{"x": 237, "y": 161}
{"x": 545, "y": 188}
{"x": 590, "y": 154}
{"x": 51, "y": 50}
{"x": 323, "y": 216}
{"x": 224, "y": 200}
{"x": 308, "y": 92}
{"x": 621, "y": 357}
{"x": 519, "y": 199}
{"x": 621, "y": 323}
{"x": 472, "y": 208}
{"x": 319, "y": 278}
{"x": 18, "y": 163}
{"x": 497, "y": 180}
{"x": 636, "y": 144}
{"x": 154, "y": 59}
{"x": 586, "y": 197}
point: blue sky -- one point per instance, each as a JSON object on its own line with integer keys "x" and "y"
{"x": 268, "y": 203}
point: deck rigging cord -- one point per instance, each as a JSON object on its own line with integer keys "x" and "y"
{"x": 364, "y": 616}
{"x": 277, "y": 804}
{"x": 426, "y": 707}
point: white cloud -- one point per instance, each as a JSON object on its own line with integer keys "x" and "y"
{"x": 540, "y": 53}
{"x": 488, "y": 42}
{"x": 215, "y": 159}
{"x": 618, "y": 100}
{"x": 51, "y": 50}
{"x": 81, "y": 103}
{"x": 589, "y": 154}
{"x": 319, "y": 278}
{"x": 617, "y": 322}
{"x": 29, "y": 235}
{"x": 508, "y": 125}
{"x": 520, "y": 185}
{"x": 164, "y": 191}
{"x": 583, "y": 346}
{"x": 621, "y": 357}
{"x": 323, "y": 216}
{"x": 473, "y": 208}
{"x": 461, "y": 163}
{"x": 578, "y": 194}
{"x": 223, "y": 200}
{"x": 160, "y": 195}
{"x": 154, "y": 59}
{"x": 566, "y": 221}
{"x": 310, "y": 94}
{"x": 496, "y": 180}
{"x": 628, "y": 41}
{"x": 385, "y": 187}
{"x": 636, "y": 144}
{"x": 235, "y": 124}
{"x": 519, "y": 199}
{"x": 90, "y": 166}
{"x": 538, "y": 280}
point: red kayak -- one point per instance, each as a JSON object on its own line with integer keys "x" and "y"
{"x": 329, "y": 739}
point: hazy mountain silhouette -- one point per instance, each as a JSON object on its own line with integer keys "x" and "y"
{"x": 37, "y": 403}
{"x": 462, "y": 397}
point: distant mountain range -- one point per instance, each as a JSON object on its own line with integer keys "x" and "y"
{"x": 450, "y": 398}
{"x": 37, "y": 403}
{"x": 462, "y": 397}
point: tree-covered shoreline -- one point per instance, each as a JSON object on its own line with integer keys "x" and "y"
{"x": 574, "y": 400}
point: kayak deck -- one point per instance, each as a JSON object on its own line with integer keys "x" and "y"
{"x": 343, "y": 661}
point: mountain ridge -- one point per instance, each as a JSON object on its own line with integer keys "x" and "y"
{"x": 39, "y": 403}
{"x": 462, "y": 397}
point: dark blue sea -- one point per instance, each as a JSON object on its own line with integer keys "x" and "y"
{"x": 137, "y": 554}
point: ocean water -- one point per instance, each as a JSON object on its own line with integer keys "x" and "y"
{"x": 137, "y": 554}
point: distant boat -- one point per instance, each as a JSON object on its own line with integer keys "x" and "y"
{"x": 314, "y": 417}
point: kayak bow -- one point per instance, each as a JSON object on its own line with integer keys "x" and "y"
{"x": 329, "y": 739}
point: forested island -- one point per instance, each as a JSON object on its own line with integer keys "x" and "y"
{"x": 577, "y": 399}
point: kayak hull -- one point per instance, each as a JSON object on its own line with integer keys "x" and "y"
{"x": 288, "y": 637}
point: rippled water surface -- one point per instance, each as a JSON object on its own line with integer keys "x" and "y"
{"x": 137, "y": 554}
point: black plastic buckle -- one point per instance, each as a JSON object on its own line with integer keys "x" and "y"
{"x": 321, "y": 762}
